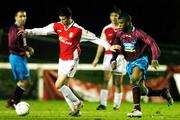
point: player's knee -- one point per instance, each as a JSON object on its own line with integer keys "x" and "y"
{"x": 58, "y": 85}
{"x": 134, "y": 82}
{"x": 23, "y": 84}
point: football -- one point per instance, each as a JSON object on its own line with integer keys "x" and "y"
{"x": 22, "y": 108}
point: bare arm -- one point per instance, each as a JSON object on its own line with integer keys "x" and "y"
{"x": 99, "y": 52}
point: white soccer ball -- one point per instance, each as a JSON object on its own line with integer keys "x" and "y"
{"x": 22, "y": 108}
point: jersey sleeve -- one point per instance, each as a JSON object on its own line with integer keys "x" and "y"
{"x": 89, "y": 36}
{"x": 150, "y": 42}
{"x": 47, "y": 30}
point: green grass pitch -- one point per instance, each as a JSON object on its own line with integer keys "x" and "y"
{"x": 58, "y": 110}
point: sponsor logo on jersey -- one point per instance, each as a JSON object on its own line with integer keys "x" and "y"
{"x": 129, "y": 47}
{"x": 64, "y": 40}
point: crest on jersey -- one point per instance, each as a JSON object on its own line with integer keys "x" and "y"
{"x": 71, "y": 34}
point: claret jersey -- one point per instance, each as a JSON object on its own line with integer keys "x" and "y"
{"x": 134, "y": 44}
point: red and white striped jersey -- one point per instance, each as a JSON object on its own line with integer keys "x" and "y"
{"x": 107, "y": 33}
{"x": 69, "y": 38}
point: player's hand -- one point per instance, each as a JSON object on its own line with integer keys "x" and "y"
{"x": 113, "y": 65}
{"x": 115, "y": 47}
{"x": 27, "y": 54}
{"x": 95, "y": 62}
{"x": 29, "y": 51}
{"x": 155, "y": 64}
{"x": 22, "y": 32}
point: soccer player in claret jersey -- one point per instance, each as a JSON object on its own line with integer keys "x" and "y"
{"x": 107, "y": 34}
{"x": 134, "y": 43}
{"x": 19, "y": 52}
{"x": 70, "y": 35}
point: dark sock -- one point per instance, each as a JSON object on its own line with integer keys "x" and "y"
{"x": 136, "y": 98}
{"x": 152, "y": 92}
{"x": 17, "y": 94}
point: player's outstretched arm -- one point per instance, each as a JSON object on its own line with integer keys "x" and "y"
{"x": 89, "y": 36}
{"x": 47, "y": 30}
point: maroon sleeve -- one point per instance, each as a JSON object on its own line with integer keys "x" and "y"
{"x": 12, "y": 37}
{"x": 150, "y": 42}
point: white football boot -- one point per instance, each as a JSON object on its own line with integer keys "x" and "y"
{"x": 135, "y": 113}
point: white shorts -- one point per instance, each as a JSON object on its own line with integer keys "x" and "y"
{"x": 68, "y": 67}
{"x": 121, "y": 64}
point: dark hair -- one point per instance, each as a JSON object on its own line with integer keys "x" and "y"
{"x": 126, "y": 17}
{"x": 115, "y": 10}
{"x": 65, "y": 11}
{"x": 20, "y": 10}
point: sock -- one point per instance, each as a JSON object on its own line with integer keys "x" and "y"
{"x": 136, "y": 98}
{"x": 70, "y": 104}
{"x": 117, "y": 99}
{"x": 103, "y": 97}
{"x": 152, "y": 92}
{"x": 17, "y": 94}
{"x": 66, "y": 91}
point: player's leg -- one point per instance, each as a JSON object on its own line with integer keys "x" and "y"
{"x": 137, "y": 71}
{"x": 165, "y": 93}
{"x": 135, "y": 79}
{"x": 104, "y": 86}
{"x": 119, "y": 73}
{"x": 67, "y": 69}
{"x": 21, "y": 73}
{"x": 21, "y": 86}
{"x": 118, "y": 79}
{"x": 104, "y": 91}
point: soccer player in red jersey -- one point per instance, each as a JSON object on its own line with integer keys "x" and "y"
{"x": 19, "y": 52}
{"x": 70, "y": 35}
{"x": 107, "y": 34}
{"x": 134, "y": 43}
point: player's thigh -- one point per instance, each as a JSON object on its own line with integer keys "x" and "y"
{"x": 121, "y": 65}
{"x": 67, "y": 67}
{"x": 136, "y": 76}
{"x": 106, "y": 62}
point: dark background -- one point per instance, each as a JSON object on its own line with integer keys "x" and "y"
{"x": 158, "y": 18}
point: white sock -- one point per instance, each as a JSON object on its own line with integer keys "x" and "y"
{"x": 103, "y": 97}
{"x": 117, "y": 99}
{"x": 70, "y": 104}
{"x": 66, "y": 91}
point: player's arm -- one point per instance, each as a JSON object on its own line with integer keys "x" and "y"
{"x": 99, "y": 52}
{"x": 47, "y": 30}
{"x": 154, "y": 48}
{"x": 89, "y": 36}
